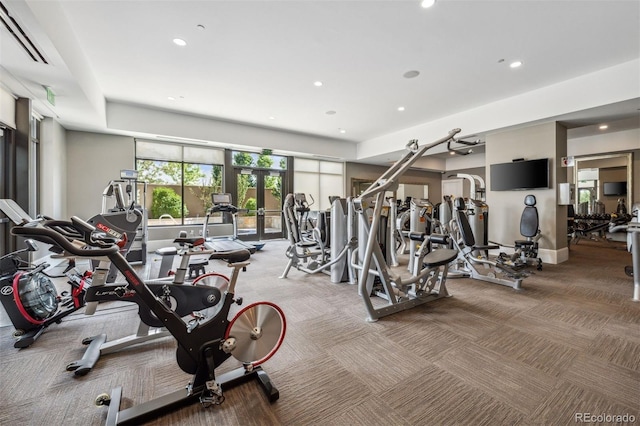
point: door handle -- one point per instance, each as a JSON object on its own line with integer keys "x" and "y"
{"x": 260, "y": 211}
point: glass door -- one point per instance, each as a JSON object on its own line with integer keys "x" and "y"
{"x": 259, "y": 198}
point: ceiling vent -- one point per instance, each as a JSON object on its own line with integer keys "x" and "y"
{"x": 20, "y": 36}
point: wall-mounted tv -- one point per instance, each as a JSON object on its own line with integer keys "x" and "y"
{"x": 614, "y": 188}
{"x": 526, "y": 174}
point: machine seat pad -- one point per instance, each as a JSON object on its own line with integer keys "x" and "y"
{"x": 523, "y": 243}
{"x": 487, "y": 247}
{"x": 439, "y": 257}
{"x": 167, "y": 251}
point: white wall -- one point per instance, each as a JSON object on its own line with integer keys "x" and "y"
{"x": 133, "y": 118}
{"x": 93, "y": 160}
{"x": 605, "y": 143}
{"x": 611, "y": 85}
{"x": 7, "y": 108}
{"x": 53, "y": 169}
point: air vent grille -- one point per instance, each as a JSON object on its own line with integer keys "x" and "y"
{"x": 21, "y": 36}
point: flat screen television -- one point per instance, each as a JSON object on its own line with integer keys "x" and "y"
{"x": 527, "y": 174}
{"x": 614, "y": 188}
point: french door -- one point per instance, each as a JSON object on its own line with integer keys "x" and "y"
{"x": 259, "y": 196}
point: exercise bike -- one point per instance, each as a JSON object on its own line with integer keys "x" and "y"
{"x": 252, "y": 336}
{"x": 196, "y": 299}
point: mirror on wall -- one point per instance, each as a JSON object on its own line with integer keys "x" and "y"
{"x": 601, "y": 182}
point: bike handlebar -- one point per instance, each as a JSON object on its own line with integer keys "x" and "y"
{"x": 64, "y": 234}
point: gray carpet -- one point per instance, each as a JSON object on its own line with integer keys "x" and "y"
{"x": 568, "y": 343}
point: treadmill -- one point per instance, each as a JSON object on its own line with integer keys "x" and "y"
{"x": 222, "y": 204}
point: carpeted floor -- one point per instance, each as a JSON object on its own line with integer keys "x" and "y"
{"x": 567, "y": 344}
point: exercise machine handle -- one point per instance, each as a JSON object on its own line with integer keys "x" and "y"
{"x": 391, "y": 176}
{"x": 53, "y": 232}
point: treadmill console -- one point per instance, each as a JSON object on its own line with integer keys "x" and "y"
{"x": 221, "y": 199}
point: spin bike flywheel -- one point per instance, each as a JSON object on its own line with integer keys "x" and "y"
{"x": 259, "y": 330}
{"x": 35, "y": 296}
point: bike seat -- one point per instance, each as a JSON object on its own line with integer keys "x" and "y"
{"x": 190, "y": 241}
{"x": 232, "y": 256}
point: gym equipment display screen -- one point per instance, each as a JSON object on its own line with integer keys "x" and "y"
{"x": 530, "y": 174}
{"x": 221, "y": 198}
{"x": 614, "y": 188}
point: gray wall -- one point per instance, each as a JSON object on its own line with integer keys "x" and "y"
{"x": 373, "y": 172}
{"x": 505, "y": 207}
{"x": 92, "y": 161}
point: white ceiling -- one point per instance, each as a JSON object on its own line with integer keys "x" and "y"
{"x": 259, "y": 59}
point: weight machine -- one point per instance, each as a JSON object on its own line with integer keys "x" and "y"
{"x": 427, "y": 281}
{"x": 327, "y": 248}
{"x": 471, "y": 258}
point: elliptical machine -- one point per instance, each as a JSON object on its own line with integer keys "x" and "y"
{"x": 327, "y": 248}
{"x": 252, "y": 336}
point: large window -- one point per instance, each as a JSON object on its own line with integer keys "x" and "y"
{"x": 320, "y": 179}
{"x": 179, "y": 181}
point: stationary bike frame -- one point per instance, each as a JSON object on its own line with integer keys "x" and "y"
{"x": 200, "y": 345}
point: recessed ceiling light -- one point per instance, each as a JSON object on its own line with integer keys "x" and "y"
{"x": 272, "y": 117}
{"x": 331, "y": 112}
{"x": 317, "y": 83}
{"x": 427, "y": 3}
{"x": 179, "y": 42}
{"x": 400, "y": 108}
{"x": 411, "y": 74}
{"x": 171, "y": 98}
{"x": 515, "y": 64}
{"x": 342, "y": 130}
{"x": 604, "y": 127}
{"x": 200, "y": 27}
{"x": 452, "y": 153}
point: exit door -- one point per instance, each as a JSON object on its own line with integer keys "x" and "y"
{"x": 259, "y": 196}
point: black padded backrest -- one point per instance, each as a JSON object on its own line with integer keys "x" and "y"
{"x": 323, "y": 224}
{"x": 529, "y": 222}
{"x": 290, "y": 219}
{"x": 463, "y": 223}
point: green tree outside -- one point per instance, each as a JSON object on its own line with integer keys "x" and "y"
{"x": 244, "y": 181}
{"x": 166, "y": 201}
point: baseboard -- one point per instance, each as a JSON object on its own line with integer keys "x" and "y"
{"x": 554, "y": 256}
